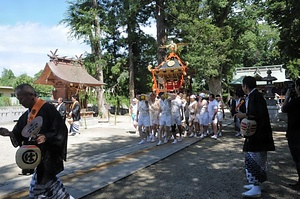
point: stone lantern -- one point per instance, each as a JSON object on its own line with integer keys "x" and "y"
{"x": 271, "y": 102}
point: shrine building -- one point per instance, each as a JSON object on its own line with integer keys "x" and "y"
{"x": 67, "y": 76}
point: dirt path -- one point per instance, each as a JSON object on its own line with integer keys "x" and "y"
{"x": 208, "y": 169}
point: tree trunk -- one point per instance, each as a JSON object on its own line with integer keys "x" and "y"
{"x": 215, "y": 85}
{"x": 131, "y": 72}
{"x": 130, "y": 52}
{"x": 95, "y": 44}
{"x": 160, "y": 30}
{"x": 161, "y": 35}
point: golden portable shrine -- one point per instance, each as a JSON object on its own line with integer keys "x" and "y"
{"x": 170, "y": 74}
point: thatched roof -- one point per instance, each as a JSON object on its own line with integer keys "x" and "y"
{"x": 67, "y": 72}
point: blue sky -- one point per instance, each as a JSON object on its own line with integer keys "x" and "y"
{"x": 46, "y": 12}
{"x": 29, "y": 30}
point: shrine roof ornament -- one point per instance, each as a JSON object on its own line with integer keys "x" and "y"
{"x": 56, "y": 60}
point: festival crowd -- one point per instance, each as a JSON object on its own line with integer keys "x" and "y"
{"x": 172, "y": 116}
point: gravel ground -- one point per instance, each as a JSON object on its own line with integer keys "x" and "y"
{"x": 209, "y": 169}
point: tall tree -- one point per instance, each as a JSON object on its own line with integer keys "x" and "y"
{"x": 136, "y": 14}
{"x": 160, "y": 29}
{"x": 123, "y": 41}
{"x": 130, "y": 11}
{"x": 285, "y": 15}
{"x": 217, "y": 32}
{"x": 83, "y": 17}
{"x": 209, "y": 36}
{"x": 95, "y": 39}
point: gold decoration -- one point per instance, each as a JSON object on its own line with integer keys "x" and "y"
{"x": 171, "y": 63}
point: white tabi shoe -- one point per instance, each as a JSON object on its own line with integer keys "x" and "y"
{"x": 214, "y": 137}
{"x": 254, "y": 192}
{"x": 153, "y": 139}
{"x": 166, "y": 140}
{"x": 142, "y": 142}
{"x": 185, "y": 134}
{"x": 250, "y": 186}
{"x": 192, "y": 135}
{"x": 149, "y": 138}
{"x": 159, "y": 143}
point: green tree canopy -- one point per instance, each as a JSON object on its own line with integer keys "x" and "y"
{"x": 221, "y": 36}
{"x": 7, "y": 77}
{"x": 285, "y": 16}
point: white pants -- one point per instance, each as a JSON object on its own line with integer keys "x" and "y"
{"x": 165, "y": 120}
{"x": 144, "y": 120}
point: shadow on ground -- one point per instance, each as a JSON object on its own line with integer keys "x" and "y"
{"x": 208, "y": 169}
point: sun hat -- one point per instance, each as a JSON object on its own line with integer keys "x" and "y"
{"x": 202, "y": 95}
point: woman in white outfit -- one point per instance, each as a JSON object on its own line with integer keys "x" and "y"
{"x": 185, "y": 119}
{"x": 220, "y": 114}
{"x": 143, "y": 119}
{"x": 192, "y": 114}
{"x": 165, "y": 118}
{"x": 204, "y": 118}
{"x": 177, "y": 112}
{"x": 197, "y": 119}
{"x": 154, "y": 115}
{"x": 212, "y": 112}
{"x": 133, "y": 111}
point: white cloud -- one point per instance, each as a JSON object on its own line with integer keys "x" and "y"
{"x": 24, "y": 47}
{"x": 151, "y": 30}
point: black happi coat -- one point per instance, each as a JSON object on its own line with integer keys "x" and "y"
{"x": 262, "y": 139}
{"x": 292, "y": 109}
{"x": 75, "y": 108}
{"x": 54, "y": 150}
{"x": 62, "y": 110}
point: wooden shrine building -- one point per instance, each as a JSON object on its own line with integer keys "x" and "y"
{"x": 68, "y": 76}
{"x": 260, "y": 72}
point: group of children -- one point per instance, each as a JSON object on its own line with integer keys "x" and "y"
{"x": 160, "y": 118}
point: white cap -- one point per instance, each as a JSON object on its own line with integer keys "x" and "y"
{"x": 193, "y": 96}
{"x": 202, "y": 95}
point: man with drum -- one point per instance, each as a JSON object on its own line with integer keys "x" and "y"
{"x": 257, "y": 145}
{"x": 51, "y": 140}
